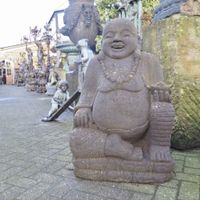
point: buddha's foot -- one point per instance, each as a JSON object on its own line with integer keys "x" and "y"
{"x": 160, "y": 153}
{"x": 116, "y": 147}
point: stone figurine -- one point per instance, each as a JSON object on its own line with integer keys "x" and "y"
{"x": 86, "y": 54}
{"x": 60, "y": 96}
{"x": 52, "y": 82}
{"x": 30, "y": 58}
{"x": 41, "y": 81}
{"x": 124, "y": 119}
{"x": 31, "y": 82}
{"x": 40, "y": 53}
{"x": 81, "y": 21}
{"x": 20, "y": 78}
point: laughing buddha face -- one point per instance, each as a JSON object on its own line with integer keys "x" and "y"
{"x": 119, "y": 39}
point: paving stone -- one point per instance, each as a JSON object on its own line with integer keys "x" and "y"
{"x": 61, "y": 189}
{"x": 34, "y": 192}
{"x": 50, "y": 197}
{"x": 187, "y": 177}
{"x": 165, "y": 193}
{"x": 143, "y": 188}
{"x": 189, "y": 191}
{"x": 77, "y": 195}
{"x": 29, "y": 171}
{"x": 64, "y": 172}
{"x": 141, "y": 196}
{"x": 65, "y": 152}
{"x": 20, "y": 163}
{"x": 4, "y": 186}
{"x": 10, "y": 172}
{"x": 179, "y": 164}
{"x": 55, "y": 146}
{"x": 46, "y": 178}
{"x": 54, "y": 166}
{"x": 27, "y": 157}
{"x": 63, "y": 158}
{"x": 192, "y": 171}
{"x": 171, "y": 184}
{"x": 98, "y": 189}
{"x": 42, "y": 162}
{"x": 8, "y": 158}
{"x": 193, "y": 162}
{"x": 21, "y": 181}
{"x": 4, "y": 167}
{"x": 12, "y": 193}
{"x": 186, "y": 153}
{"x": 178, "y": 156}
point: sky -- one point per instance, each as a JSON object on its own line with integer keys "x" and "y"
{"x": 17, "y": 16}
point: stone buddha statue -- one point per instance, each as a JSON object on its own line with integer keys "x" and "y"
{"x": 124, "y": 119}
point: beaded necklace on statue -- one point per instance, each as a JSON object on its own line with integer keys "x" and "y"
{"x": 115, "y": 73}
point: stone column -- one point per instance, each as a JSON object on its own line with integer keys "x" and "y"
{"x": 71, "y": 68}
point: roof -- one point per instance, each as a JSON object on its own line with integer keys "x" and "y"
{"x": 54, "y": 13}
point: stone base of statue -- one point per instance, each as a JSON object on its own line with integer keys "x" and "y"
{"x": 41, "y": 88}
{"x": 20, "y": 80}
{"x": 41, "y": 83}
{"x": 31, "y": 86}
{"x": 20, "y": 83}
{"x": 31, "y": 83}
{"x": 118, "y": 170}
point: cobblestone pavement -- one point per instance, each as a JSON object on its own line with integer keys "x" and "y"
{"x": 35, "y": 159}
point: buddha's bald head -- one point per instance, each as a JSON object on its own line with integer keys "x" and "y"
{"x": 119, "y": 22}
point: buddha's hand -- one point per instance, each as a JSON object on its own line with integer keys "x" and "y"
{"x": 161, "y": 93}
{"x": 83, "y": 118}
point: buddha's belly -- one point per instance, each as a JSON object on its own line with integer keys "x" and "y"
{"x": 122, "y": 112}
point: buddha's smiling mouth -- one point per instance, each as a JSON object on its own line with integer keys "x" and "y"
{"x": 117, "y": 45}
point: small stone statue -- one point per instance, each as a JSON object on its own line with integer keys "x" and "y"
{"x": 40, "y": 53}
{"x": 41, "y": 82}
{"x": 124, "y": 119}
{"x": 20, "y": 80}
{"x": 30, "y": 58}
{"x": 52, "y": 81}
{"x": 31, "y": 81}
{"x": 60, "y": 96}
{"x": 81, "y": 21}
{"x": 86, "y": 54}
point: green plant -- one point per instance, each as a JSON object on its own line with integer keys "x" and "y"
{"x": 149, "y": 5}
{"x": 106, "y": 9}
